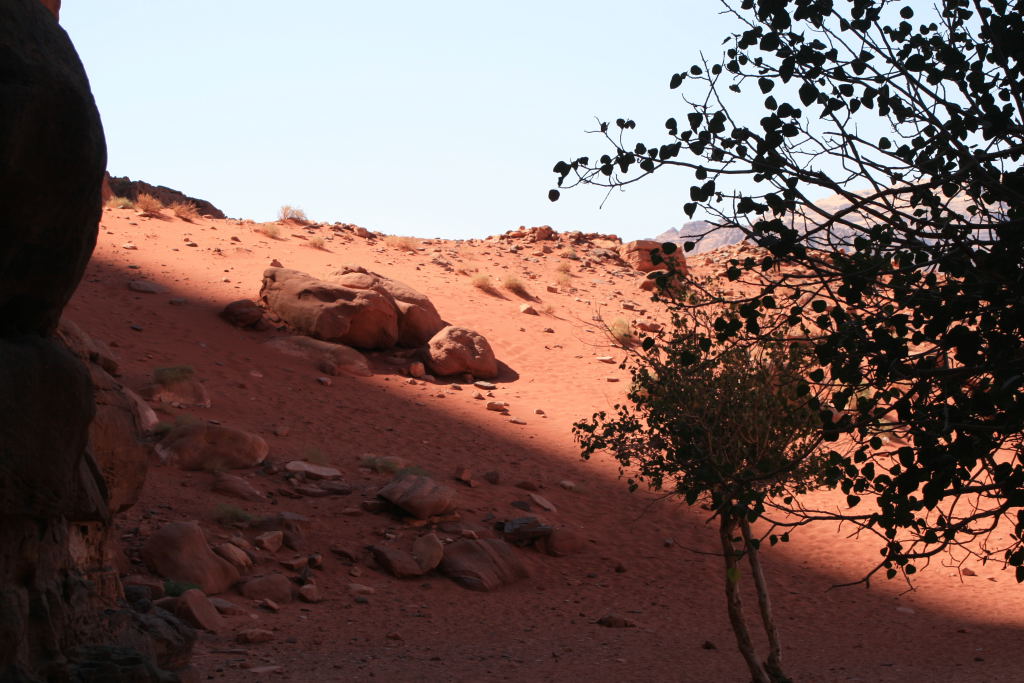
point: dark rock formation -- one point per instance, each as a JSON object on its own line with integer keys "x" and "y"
{"x": 126, "y": 187}
{"x": 58, "y": 591}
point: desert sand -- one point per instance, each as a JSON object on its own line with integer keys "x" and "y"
{"x": 644, "y": 558}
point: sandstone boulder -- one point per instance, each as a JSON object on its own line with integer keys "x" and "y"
{"x": 420, "y": 496}
{"x": 483, "y": 565}
{"x": 269, "y": 587}
{"x": 638, "y": 255}
{"x": 212, "y": 448}
{"x": 418, "y": 319}
{"x": 195, "y": 609}
{"x": 329, "y": 358}
{"x": 179, "y": 551}
{"x": 396, "y": 562}
{"x": 363, "y": 318}
{"x": 457, "y": 350}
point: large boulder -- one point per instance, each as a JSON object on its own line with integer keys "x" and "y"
{"x": 179, "y": 551}
{"x": 457, "y": 351}
{"x": 418, "y": 319}
{"x": 328, "y": 357}
{"x": 52, "y": 159}
{"x": 483, "y": 564}
{"x": 363, "y": 318}
{"x": 212, "y": 448}
{"x": 638, "y": 255}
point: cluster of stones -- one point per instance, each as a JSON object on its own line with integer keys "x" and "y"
{"x": 355, "y": 310}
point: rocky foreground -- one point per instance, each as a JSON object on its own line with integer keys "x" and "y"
{"x": 327, "y": 496}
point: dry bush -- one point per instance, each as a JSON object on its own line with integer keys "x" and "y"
{"x": 318, "y": 242}
{"x": 482, "y": 281}
{"x": 515, "y": 285}
{"x": 292, "y": 213}
{"x": 271, "y": 230}
{"x": 564, "y": 280}
{"x": 563, "y": 267}
{"x": 173, "y": 375}
{"x": 402, "y": 243}
{"x": 185, "y": 211}
{"x": 621, "y": 332}
{"x": 147, "y": 203}
{"x": 120, "y": 203}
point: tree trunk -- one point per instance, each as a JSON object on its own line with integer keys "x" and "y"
{"x": 774, "y": 664}
{"x": 735, "y": 602}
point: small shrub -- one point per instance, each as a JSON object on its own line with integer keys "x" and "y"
{"x": 318, "y": 243}
{"x": 482, "y": 281}
{"x": 147, "y": 203}
{"x": 230, "y": 514}
{"x": 175, "y": 588}
{"x": 291, "y": 213}
{"x": 381, "y": 463}
{"x": 563, "y": 267}
{"x": 173, "y": 375}
{"x": 271, "y": 230}
{"x": 621, "y": 332}
{"x": 515, "y": 285}
{"x": 564, "y": 280}
{"x": 120, "y": 203}
{"x": 185, "y": 211}
{"x": 569, "y": 254}
{"x": 402, "y": 243}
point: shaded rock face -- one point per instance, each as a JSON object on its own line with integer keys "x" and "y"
{"x": 52, "y": 158}
{"x": 56, "y": 594}
{"x": 179, "y": 551}
{"x": 126, "y": 187}
{"x": 363, "y": 318}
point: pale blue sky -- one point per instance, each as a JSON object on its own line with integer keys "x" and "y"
{"x": 428, "y": 119}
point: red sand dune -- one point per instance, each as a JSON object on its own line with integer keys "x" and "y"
{"x": 951, "y": 628}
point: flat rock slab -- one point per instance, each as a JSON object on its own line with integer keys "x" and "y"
{"x": 420, "y": 496}
{"x": 483, "y": 565}
{"x": 311, "y": 470}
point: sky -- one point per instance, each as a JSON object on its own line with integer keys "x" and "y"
{"x": 438, "y": 119}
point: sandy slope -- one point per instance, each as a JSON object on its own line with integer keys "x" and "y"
{"x": 951, "y": 628}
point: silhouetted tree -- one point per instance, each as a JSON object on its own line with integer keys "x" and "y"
{"x": 908, "y": 292}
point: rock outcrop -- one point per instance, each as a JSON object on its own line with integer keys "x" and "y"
{"x": 418, "y": 319}
{"x": 363, "y": 318}
{"x": 59, "y": 613}
{"x": 131, "y": 189}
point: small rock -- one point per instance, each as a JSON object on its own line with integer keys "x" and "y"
{"x": 615, "y": 621}
{"x": 226, "y": 607}
{"x": 310, "y": 593}
{"x": 270, "y": 541}
{"x": 543, "y": 502}
{"x": 486, "y": 386}
{"x": 517, "y": 421}
{"x": 145, "y": 286}
{"x": 276, "y": 264}
{"x": 360, "y": 589}
{"x": 527, "y": 309}
{"x": 605, "y": 359}
{"x": 326, "y": 381}
{"x": 254, "y": 635}
{"x": 312, "y": 470}
{"x": 611, "y": 379}
{"x": 129, "y": 246}
{"x": 273, "y": 587}
{"x": 497, "y": 406}
{"x": 417, "y": 370}
{"x": 567, "y": 484}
